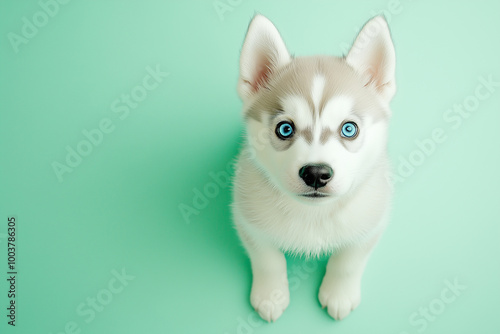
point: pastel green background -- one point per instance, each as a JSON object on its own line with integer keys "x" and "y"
{"x": 119, "y": 208}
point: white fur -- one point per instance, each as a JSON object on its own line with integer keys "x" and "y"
{"x": 373, "y": 54}
{"x": 269, "y": 213}
{"x": 317, "y": 90}
{"x": 317, "y": 93}
{"x": 263, "y": 47}
{"x": 336, "y": 110}
{"x": 297, "y": 108}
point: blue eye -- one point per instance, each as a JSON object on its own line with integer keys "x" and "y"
{"x": 284, "y": 130}
{"x": 349, "y": 130}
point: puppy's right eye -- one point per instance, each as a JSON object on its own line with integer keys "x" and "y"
{"x": 284, "y": 130}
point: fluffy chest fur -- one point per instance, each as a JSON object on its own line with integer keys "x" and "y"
{"x": 265, "y": 212}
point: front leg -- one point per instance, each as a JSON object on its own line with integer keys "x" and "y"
{"x": 270, "y": 295}
{"x": 340, "y": 291}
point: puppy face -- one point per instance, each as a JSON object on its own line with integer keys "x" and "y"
{"x": 315, "y": 125}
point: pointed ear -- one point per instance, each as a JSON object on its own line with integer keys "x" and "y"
{"x": 372, "y": 55}
{"x": 263, "y": 53}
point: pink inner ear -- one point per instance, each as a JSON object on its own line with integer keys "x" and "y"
{"x": 371, "y": 77}
{"x": 262, "y": 73}
{"x": 375, "y": 72}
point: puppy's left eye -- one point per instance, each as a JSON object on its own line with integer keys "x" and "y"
{"x": 284, "y": 130}
{"x": 349, "y": 130}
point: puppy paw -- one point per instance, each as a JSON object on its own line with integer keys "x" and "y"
{"x": 340, "y": 297}
{"x": 270, "y": 297}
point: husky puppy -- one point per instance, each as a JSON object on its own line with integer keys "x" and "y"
{"x": 312, "y": 176}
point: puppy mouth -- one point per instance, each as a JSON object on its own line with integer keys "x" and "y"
{"x": 314, "y": 194}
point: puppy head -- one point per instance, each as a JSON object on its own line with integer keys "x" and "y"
{"x": 316, "y": 125}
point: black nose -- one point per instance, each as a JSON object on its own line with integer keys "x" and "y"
{"x": 316, "y": 175}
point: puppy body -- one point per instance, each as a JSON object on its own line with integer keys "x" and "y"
{"x": 312, "y": 176}
{"x": 265, "y": 214}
